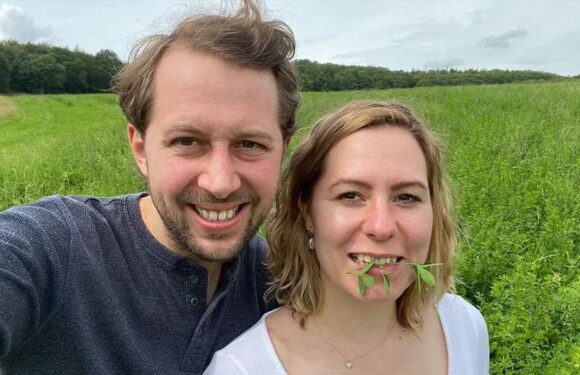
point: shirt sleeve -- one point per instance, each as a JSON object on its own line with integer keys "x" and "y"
{"x": 31, "y": 270}
{"x": 222, "y": 363}
{"x": 466, "y": 336}
{"x": 483, "y": 341}
{"x": 477, "y": 333}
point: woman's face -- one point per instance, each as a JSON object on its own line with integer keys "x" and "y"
{"x": 372, "y": 199}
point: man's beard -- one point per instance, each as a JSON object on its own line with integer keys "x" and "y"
{"x": 180, "y": 232}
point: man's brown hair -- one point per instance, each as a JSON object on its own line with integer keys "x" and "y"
{"x": 243, "y": 38}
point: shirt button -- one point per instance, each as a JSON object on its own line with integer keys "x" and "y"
{"x": 194, "y": 279}
{"x": 194, "y": 301}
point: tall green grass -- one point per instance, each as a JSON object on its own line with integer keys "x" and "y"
{"x": 511, "y": 152}
{"x": 64, "y": 144}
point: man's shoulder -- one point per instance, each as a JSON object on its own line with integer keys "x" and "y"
{"x": 58, "y": 218}
{"x": 87, "y": 203}
{"x": 258, "y": 247}
{"x": 253, "y": 259}
{"x": 46, "y": 214}
{"x": 65, "y": 205}
{"x": 253, "y": 271}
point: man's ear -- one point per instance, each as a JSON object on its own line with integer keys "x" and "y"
{"x": 305, "y": 211}
{"x": 137, "y": 143}
{"x": 286, "y": 144}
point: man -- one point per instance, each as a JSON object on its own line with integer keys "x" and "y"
{"x": 156, "y": 283}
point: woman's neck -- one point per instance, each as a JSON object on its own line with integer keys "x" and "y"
{"x": 349, "y": 319}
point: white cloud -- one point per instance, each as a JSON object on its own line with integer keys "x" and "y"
{"x": 504, "y": 40}
{"x": 15, "y": 24}
{"x": 458, "y": 34}
{"x": 444, "y": 63}
{"x": 411, "y": 34}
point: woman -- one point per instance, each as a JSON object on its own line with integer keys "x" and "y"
{"x": 362, "y": 243}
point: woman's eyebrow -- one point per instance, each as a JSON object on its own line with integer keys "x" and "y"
{"x": 397, "y": 186}
{"x": 350, "y": 181}
{"x": 413, "y": 183}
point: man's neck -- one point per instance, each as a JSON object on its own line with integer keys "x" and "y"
{"x": 155, "y": 226}
{"x": 213, "y": 279}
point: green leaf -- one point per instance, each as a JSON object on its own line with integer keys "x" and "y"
{"x": 367, "y": 280}
{"x": 381, "y": 261}
{"x": 362, "y": 289}
{"x": 386, "y": 283}
{"x": 425, "y": 275}
{"x": 417, "y": 276}
{"x": 367, "y": 267}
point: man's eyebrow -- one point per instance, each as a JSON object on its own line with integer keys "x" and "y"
{"x": 245, "y": 133}
{"x": 182, "y": 129}
{"x": 255, "y": 133}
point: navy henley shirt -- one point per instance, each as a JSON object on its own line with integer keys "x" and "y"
{"x": 86, "y": 289}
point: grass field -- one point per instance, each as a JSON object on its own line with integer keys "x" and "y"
{"x": 511, "y": 151}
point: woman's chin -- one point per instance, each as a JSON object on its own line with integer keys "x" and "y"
{"x": 377, "y": 294}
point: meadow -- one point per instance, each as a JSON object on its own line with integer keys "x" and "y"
{"x": 512, "y": 155}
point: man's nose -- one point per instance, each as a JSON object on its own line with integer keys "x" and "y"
{"x": 380, "y": 222}
{"x": 219, "y": 176}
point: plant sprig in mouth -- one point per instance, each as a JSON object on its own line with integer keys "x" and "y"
{"x": 365, "y": 281}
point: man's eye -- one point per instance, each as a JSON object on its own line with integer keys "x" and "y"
{"x": 249, "y": 144}
{"x": 185, "y": 141}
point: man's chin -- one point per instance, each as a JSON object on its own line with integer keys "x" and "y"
{"x": 217, "y": 255}
{"x": 218, "y": 250}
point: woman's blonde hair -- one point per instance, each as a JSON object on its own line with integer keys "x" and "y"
{"x": 295, "y": 270}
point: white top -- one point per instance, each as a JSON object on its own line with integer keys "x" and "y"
{"x": 463, "y": 325}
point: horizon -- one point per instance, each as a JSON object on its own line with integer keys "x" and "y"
{"x": 540, "y": 36}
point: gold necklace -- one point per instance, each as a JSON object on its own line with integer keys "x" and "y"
{"x": 348, "y": 363}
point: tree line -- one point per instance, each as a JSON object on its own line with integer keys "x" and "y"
{"x": 41, "y": 68}
{"x": 333, "y": 77}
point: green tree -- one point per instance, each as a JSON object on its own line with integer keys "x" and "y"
{"x": 76, "y": 76}
{"x": 4, "y": 74}
{"x": 39, "y": 74}
{"x": 104, "y": 66}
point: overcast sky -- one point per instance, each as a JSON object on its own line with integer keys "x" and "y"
{"x": 532, "y": 34}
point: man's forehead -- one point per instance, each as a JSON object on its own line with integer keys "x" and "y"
{"x": 197, "y": 90}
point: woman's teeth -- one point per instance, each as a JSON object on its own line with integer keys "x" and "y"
{"x": 217, "y": 215}
{"x": 360, "y": 258}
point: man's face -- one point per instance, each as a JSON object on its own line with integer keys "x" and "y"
{"x": 211, "y": 154}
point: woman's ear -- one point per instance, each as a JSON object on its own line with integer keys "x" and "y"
{"x": 305, "y": 211}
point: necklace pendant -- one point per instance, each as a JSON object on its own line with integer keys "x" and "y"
{"x": 348, "y": 364}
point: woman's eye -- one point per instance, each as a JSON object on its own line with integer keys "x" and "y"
{"x": 409, "y": 198}
{"x": 349, "y": 196}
